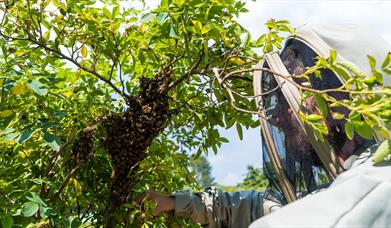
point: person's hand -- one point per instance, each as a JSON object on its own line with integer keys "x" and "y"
{"x": 164, "y": 204}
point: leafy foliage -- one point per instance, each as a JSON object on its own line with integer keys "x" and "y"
{"x": 83, "y": 82}
{"x": 369, "y": 102}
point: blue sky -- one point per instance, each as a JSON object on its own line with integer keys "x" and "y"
{"x": 229, "y": 165}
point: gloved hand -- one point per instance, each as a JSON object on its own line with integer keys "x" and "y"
{"x": 165, "y": 204}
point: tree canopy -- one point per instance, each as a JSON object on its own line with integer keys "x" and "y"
{"x": 101, "y": 101}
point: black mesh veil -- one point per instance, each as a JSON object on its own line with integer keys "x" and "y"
{"x": 299, "y": 160}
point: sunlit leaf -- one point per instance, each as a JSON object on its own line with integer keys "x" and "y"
{"x": 349, "y": 130}
{"x": 237, "y": 60}
{"x": 338, "y": 116}
{"x": 333, "y": 56}
{"x": 386, "y": 61}
{"x": 25, "y": 135}
{"x": 161, "y": 17}
{"x": 363, "y": 129}
{"x": 47, "y": 212}
{"x": 19, "y": 89}
{"x": 372, "y": 62}
{"x": 38, "y": 87}
{"x": 77, "y": 186}
{"x": 29, "y": 209}
{"x": 83, "y": 51}
{"x": 383, "y": 152}
{"x": 313, "y": 117}
{"x": 5, "y": 113}
{"x": 53, "y": 141}
{"x": 33, "y": 197}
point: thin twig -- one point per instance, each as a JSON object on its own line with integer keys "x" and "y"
{"x": 231, "y": 96}
{"x": 231, "y": 74}
{"x": 187, "y": 74}
{"x": 254, "y": 96}
{"x": 66, "y": 180}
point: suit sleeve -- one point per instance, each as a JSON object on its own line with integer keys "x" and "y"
{"x": 216, "y": 208}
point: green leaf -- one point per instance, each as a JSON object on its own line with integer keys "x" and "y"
{"x": 222, "y": 139}
{"x": 164, "y": 3}
{"x": 370, "y": 81}
{"x": 5, "y": 113}
{"x": 339, "y": 70}
{"x": 83, "y": 51}
{"x": 197, "y": 25}
{"x": 313, "y": 117}
{"x": 378, "y": 76}
{"x": 76, "y": 223}
{"x": 198, "y": 154}
{"x": 29, "y": 209}
{"x": 46, "y": 35}
{"x": 333, "y": 56}
{"x": 388, "y": 71}
{"x": 372, "y": 62}
{"x": 33, "y": 197}
{"x": 239, "y": 130}
{"x": 25, "y": 135}
{"x": 205, "y": 29}
{"x": 47, "y": 212}
{"x": 9, "y": 134}
{"x": 383, "y": 152}
{"x": 172, "y": 32}
{"x": 363, "y": 129}
{"x": 214, "y": 148}
{"x": 386, "y": 61}
{"x": 52, "y": 140}
{"x": 322, "y": 105}
{"x": 38, "y": 87}
{"x": 260, "y": 40}
{"x": 106, "y": 12}
{"x": 7, "y": 221}
{"x": 147, "y": 17}
{"x": 161, "y": 18}
{"x": 349, "y": 130}
{"x": 338, "y": 116}
{"x": 116, "y": 11}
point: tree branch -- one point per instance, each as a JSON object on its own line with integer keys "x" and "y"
{"x": 187, "y": 74}
{"x": 65, "y": 57}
